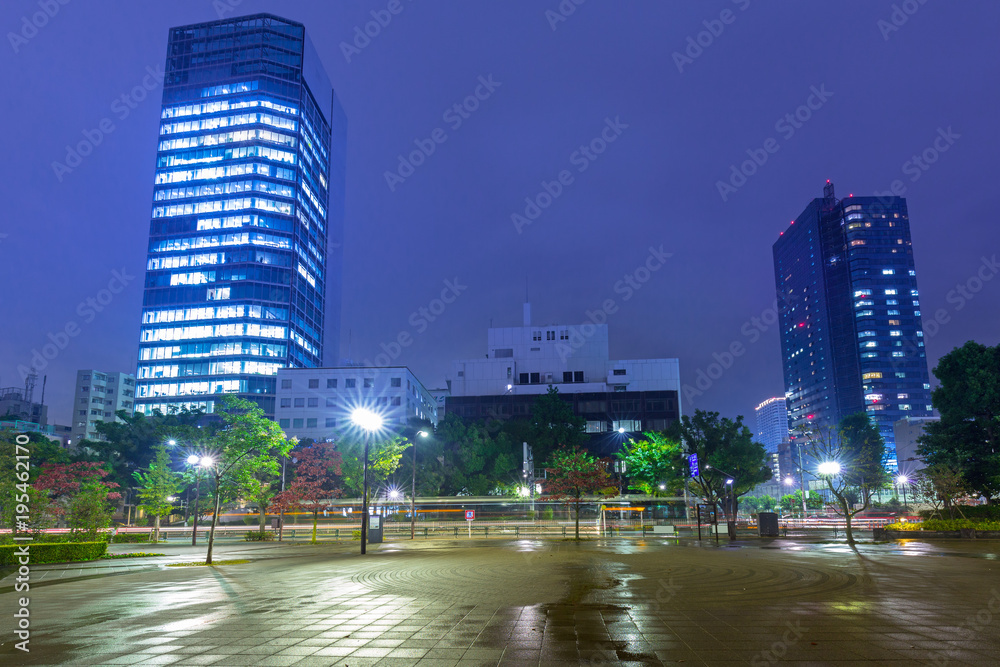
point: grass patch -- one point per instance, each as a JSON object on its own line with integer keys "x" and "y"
{"x": 137, "y": 554}
{"x": 200, "y": 564}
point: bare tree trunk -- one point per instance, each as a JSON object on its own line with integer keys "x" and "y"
{"x": 156, "y": 530}
{"x": 577, "y": 518}
{"x": 215, "y": 520}
{"x": 263, "y": 519}
{"x": 315, "y": 522}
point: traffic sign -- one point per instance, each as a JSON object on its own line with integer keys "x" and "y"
{"x": 470, "y": 515}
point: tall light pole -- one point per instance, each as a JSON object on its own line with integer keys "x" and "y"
{"x": 902, "y": 480}
{"x": 413, "y": 490}
{"x": 195, "y": 460}
{"x": 367, "y": 421}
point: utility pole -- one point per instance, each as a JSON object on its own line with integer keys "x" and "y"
{"x": 802, "y": 483}
{"x": 528, "y": 469}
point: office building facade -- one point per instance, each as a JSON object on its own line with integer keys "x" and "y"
{"x": 851, "y": 330}
{"x": 98, "y": 396}
{"x": 243, "y": 268}
{"x": 317, "y": 402}
{"x": 772, "y": 423}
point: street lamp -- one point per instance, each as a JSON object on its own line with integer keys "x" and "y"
{"x": 903, "y": 480}
{"x": 368, "y": 421}
{"x": 197, "y": 462}
{"x": 829, "y": 468}
{"x": 413, "y": 488}
{"x": 621, "y": 430}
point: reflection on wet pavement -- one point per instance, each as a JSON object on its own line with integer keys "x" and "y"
{"x": 536, "y": 602}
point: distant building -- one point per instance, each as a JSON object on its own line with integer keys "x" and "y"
{"x": 615, "y": 397}
{"x": 850, "y": 318}
{"x": 17, "y": 404}
{"x": 772, "y": 424}
{"x": 98, "y": 396}
{"x": 906, "y": 431}
{"x": 317, "y": 402}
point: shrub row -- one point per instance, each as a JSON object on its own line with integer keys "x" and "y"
{"x": 131, "y": 538}
{"x": 53, "y": 553}
{"x": 257, "y": 536}
{"x": 946, "y": 525}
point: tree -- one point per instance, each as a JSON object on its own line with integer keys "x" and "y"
{"x": 316, "y": 471}
{"x": 967, "y": 438}
{"x": 725, "y": 450}
{"x": 156, "y": 485}
{"x": 554, "y": 425}
{"x": 793, "y": 501}
{"x": 574, "y": 474}
{"x": 248, "y": 443}
{"x": 475, "y": 461}
{"x": 851, "y": 460}
{"x": 652, "y": 462}
{"x": 940, "y": 485}
{"x": 383, "y": 459}
{"x": 78, "y": 493}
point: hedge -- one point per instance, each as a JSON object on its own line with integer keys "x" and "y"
{"x": 132, "y": 538}
{"x": 946, "y": 525}
{"x": 53, "y": 553}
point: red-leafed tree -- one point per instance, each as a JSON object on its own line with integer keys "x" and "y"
{"x": 316, "y": 472}
{"x": 575, "y": 474}
{"x": 78, "y": 492}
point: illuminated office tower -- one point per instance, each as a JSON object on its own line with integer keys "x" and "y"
{"x": 243, "y": 271}
{"x": 851, "y": 333}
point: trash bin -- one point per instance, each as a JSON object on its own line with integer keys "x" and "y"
{"x": 374, "y": 529}
{"x": 767, "y": 524}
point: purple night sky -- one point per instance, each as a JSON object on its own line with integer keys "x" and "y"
{"x": 888, "y": 92}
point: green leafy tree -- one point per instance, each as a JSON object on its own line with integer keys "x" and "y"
{"x": 156, "y": 485}
{"x": 725, "y": 450}
{"x": 90, "y": 509}
{"x": 248, "y": 443}
{"x": 857, "y": 448}
{"x": 475, "y": 461}
{"x": 940, "y": 485}
{"x": 316, "y": 472}
{"x": 384, "y": 457}
{"x": 793, "y": 501}
{"x": 967, "y": 438}
{"x": 553, "y": 425}
{"x": 651, "y": 462}
{"x": 574, "y": 475}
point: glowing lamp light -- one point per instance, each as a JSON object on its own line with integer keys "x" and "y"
{"x": 193, "y": 460}
{"x": 171, "y": 442}
{"x": 207, "y": 461}
{"x": 366, "y": 419}
{"x": 663, "y": 487}
{"x": 621, "y": 429}
{"x": 789, "y": 481}
{"x": 394, "y": 494}
{"x": 829, "y": 468}
{"x": 902, "y": 479}
{"x": 729, "y": 481}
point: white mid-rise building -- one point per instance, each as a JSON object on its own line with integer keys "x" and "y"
{"x": 573, "y": 357}
{"x": 98, "y": 396}
{"x": 317, "y": 402}
{"x": 772, "y": 423}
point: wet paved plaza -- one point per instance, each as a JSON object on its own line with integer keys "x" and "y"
{"x": 527, "y": 602}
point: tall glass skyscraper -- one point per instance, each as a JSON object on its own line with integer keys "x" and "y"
{"x": 772, "y": 424}
{"x": 244, "y": 266}
{"x": 851, "y": 332}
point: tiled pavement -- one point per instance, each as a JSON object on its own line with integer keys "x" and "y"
{"x": 535, "y": 603}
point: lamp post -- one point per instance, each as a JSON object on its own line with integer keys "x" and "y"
{"x": 902, "y": 480}
{"x": 413, "y": 490}
{"x": 197, "y": 462}
{"x": 730, "y": 510}
{"x": 367, "y": 421}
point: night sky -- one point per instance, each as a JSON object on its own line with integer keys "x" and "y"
{"x": 887, "y": 91}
